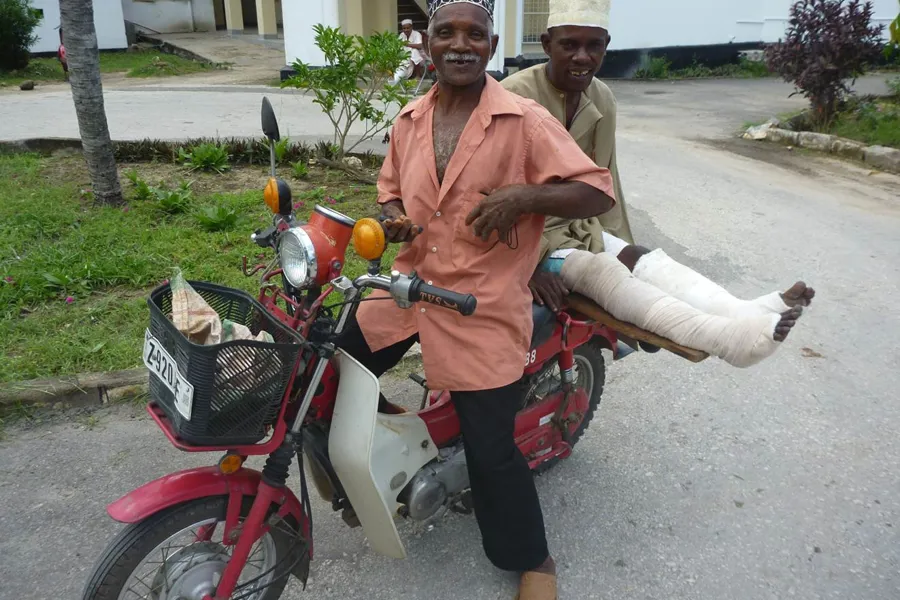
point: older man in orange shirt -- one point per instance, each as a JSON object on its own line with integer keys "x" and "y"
{"x": 470, "y": 174}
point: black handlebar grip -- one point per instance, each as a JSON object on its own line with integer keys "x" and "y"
{"x": 464, "y": 304}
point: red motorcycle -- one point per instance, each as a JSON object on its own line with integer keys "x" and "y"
{"x": 227, "y": 531}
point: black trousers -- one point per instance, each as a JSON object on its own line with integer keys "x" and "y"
{"x": 506, "y": 502}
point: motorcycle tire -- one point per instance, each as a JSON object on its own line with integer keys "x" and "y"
{"x": 587, "y": 355}
{"x": 128, "y": 550}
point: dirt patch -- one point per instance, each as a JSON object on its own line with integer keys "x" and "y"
{"x": 847, "y": 174}
{"x": 775, "y": 154}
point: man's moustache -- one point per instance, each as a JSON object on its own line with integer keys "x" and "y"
{"x": 454, "y": 56}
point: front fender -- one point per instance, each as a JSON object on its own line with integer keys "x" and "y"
{"x": 191, "y": 484}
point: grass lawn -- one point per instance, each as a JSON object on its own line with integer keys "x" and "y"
{"x": 134, "y": 64}
{"x": 54, "y": 246}
{"x": 874, "y": 122}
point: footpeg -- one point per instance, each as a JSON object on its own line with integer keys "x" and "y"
{"x": 418, "y": 379}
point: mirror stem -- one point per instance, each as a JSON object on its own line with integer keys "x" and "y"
{"x": 272, "y": 155}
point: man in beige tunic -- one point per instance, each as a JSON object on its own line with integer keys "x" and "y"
{"x": 576, "y": 42}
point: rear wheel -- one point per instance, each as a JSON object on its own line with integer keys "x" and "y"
{"x": 590, "y": 375}
{"x": 178, "y": 554}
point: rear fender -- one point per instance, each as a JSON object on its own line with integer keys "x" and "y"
{"x": 192, "y": 484}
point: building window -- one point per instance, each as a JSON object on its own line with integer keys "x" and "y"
{"x": 534, "y": 21}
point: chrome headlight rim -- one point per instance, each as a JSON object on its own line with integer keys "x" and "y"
{"x": 308, "y": 250}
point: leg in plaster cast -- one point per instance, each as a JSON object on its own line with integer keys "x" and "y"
{"x": 658, "y": 269}
{"x": 741, "y": 342}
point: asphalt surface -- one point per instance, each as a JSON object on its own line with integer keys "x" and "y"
{"x": 694, "y": 481}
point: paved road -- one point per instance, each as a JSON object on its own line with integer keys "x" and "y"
{"x": 186, "y": 108}
{"x": 695, "y": 482}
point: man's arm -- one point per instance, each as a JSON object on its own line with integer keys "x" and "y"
{"x": 398, "y": 227}
{"x": 562, "y": 181}
{"x": 566, "y": 199}
{"x": 415, "y": 41}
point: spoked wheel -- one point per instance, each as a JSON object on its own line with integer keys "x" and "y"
{"x": 178, "y": 554}
{"x": 590, "y": 375}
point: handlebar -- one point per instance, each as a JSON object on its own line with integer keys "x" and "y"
{"x": 464, "y": 304}
{"x": 407, "y": 289}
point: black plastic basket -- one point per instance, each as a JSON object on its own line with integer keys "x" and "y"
{"x": 238, "y": 385}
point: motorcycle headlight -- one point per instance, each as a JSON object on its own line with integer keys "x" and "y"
{"x": 297, "y": 256}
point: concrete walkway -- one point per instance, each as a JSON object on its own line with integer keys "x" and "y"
{"x": 252, "y": 60}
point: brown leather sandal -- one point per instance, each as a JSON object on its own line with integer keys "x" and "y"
{"x": 537, "y": 586}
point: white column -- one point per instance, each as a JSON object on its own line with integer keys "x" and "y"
{"x": 496, "y": 63}
{"x": 520, "y": 25}
{"x": 299, "y": 17}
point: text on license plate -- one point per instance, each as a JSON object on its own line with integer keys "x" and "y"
{"x": 163, "y": 366}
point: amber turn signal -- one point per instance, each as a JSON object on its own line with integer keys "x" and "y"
{"x": 368, "y": 239}
{"x": 271, "y": 195}
{"x": 230, "y": 463}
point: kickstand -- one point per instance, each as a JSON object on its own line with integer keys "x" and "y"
{"x": 463, "y": 505}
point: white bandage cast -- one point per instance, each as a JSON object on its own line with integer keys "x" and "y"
{"x": 659, "y": 270}
{"x": 741, "y": 342}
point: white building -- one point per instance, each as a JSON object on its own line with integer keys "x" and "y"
{"x": 684, "y": 29}
{"x": 108, "y": 21}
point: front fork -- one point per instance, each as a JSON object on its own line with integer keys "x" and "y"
{"x": 270, "y": 491}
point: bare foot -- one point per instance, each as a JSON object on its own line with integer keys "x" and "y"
{"x": 799, "y": 295}
{"x": 787, "y": 322}
{"x": 548, "y": 567}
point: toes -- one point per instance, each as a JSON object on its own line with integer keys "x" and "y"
{"x": 794, "y": 313}
{"x": 798, "y": 294}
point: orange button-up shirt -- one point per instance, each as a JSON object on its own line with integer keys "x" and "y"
{"x": 508, "y": 140}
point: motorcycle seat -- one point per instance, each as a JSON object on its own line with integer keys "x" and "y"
{"x": 544, "y": 324}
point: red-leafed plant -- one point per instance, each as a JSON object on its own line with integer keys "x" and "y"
{"x": 828, "y": 42}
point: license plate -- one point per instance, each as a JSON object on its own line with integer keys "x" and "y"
{"x": 165, "y": 368}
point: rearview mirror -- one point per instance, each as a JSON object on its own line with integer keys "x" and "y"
{"x": 269, "y": 122}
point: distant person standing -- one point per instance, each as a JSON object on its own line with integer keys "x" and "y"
{"x": 61, "y": 54}
{"x": 415, "y": 61}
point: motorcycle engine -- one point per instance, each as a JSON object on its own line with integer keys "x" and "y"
{"x": 436, "y": 484}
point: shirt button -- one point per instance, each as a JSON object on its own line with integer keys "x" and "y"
{"x": 430, "y": 282}
{"x": 437, "y": 214}
{"x": 423, "y": 310}
{"x": 434, "y": 249}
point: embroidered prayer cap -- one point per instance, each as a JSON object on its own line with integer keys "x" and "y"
{"x": 436, "y": 5}
{"x": 583, "y": 13}
{"x": 406, "y": 22}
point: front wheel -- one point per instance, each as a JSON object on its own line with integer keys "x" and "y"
{"x": 590, "y": 375}
{"x": 174, "y": 555}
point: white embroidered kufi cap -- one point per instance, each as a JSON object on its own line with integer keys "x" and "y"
{"x": 583, "y": 13}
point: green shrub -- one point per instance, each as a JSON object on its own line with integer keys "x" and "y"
{"x": 142, "y": 190}
{"x": 281, "y": 149}
{"x": 18, "y": 20}
{"x": 354, "y": 85}
{"x": 301, "y": 170}
{"x": 217, "y": 218}
{"x": 240, "y": 150}
{"x": 206, "y": 157}
{"x": 894, "y": 86}
{"x": 656, "y": 68}
{"x": 174, "y": 201}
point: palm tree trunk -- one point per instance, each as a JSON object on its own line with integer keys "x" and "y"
{"x": 80, "y": 40}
